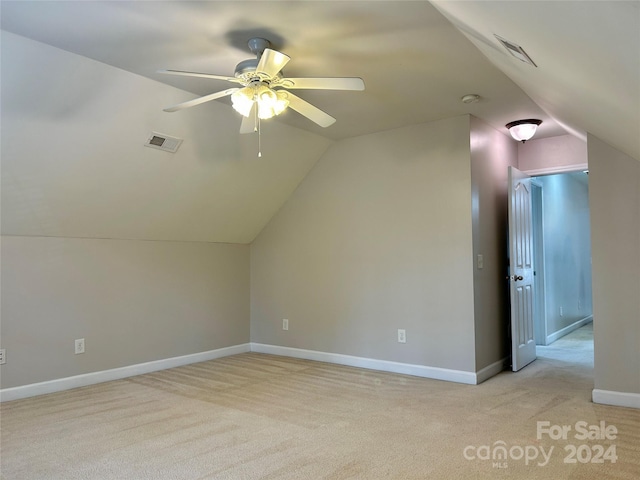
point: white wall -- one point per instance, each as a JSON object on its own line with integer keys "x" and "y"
{"x": 614, "y": 192}
{"x": 491, "y": 154}
{"x": 377, "y": 237}
{"x": 132, "y": 302}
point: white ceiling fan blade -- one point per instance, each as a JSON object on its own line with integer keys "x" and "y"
{"x": 198, "y": 101}
{"x": 248, "y": 124}
{"x": 344, "y": 83}
{"x": 312, "y": 113}
{"x": 271, "y": 62}
{"x": 202, "y": 75}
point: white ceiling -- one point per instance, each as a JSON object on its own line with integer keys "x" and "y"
{"x": 417, "y": 59}
{"x": 415, "y": 64}
{"x": 588, "y": 57}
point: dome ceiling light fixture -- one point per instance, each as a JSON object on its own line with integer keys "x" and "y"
{"x": 523, "y": 130}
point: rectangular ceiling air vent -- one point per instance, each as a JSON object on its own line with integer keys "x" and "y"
{"x": 163, "y": 142}
{"x": 515, "y": 50}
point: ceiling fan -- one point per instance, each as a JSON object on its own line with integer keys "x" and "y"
{"x": 264, "y": 91}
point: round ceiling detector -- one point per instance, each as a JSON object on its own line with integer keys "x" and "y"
{"x": 471, "y": 98}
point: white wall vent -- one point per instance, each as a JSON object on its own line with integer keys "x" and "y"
{"x": 163, "y": 142}
{"x": 515, "y": 50}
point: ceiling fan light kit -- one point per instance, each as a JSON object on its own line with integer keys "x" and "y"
{"x": 523, "y": 130}
{"x": 270, "y": 102}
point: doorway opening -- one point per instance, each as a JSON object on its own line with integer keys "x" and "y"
{"x": 563, "y": 313}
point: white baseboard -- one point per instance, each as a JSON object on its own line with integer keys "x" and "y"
{"x": 458, "y": 376}
{"x": 618, "y": 399}
{"x": 51, "y": 386}
{"x": 491, "y": 370}
{"x": 436, "y": 373}
{"x": 568, "y": 329}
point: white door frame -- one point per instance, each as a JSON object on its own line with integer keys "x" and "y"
{"x": 540, "y": 311}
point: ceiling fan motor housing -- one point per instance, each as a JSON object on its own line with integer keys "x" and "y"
{"x": 245, "y": 69}
{"x": 246, "y": 66}
{"x": 246, "y": 72}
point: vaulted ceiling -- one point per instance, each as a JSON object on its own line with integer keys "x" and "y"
{"x": 84, "y": 174}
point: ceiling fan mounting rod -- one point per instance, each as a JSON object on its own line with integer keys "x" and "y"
{"x": 257, "y": 45}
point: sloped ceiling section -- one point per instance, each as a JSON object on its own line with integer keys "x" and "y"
{"x": 81, "y": 94}
{"x": 74, "y": 162}
{"x": 587, "y": 55}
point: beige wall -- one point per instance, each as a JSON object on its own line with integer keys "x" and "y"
{"x": 563, "y": 153}
{"x": 132, "y": 302}
{"x": 377, "y": 237}
{"x": 491, "y": 154}
{"x": 74, "y": 162}
{"x": 614, "y": 194}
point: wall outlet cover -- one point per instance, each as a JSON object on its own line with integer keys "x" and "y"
{"x": 402, "y": 336}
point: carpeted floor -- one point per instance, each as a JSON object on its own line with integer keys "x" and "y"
{"x": 255, "y": 416}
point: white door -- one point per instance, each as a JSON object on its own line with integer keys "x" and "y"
{"x": 523, "y": 344}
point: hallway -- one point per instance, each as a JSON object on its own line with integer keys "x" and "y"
{"x": 574, "y": 348}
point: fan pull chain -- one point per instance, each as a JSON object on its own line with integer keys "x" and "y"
{"x": 256, "y": 128}
{"x": 259, "y": 139}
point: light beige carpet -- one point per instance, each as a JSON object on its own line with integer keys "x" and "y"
{"x": 255, "y": 416}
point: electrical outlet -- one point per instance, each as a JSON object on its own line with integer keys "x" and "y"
{"x": 561, "y": 312}
{"x": 285, "y": 324}
{"x": 3, "y": 356}
{"x": 402, "y": 336}
{"x": 480, "y": 261}
{"x": 79, "y": 346}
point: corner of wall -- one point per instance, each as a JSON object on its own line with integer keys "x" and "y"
{"x": 614, "y": 196}
{"x": 492, "y": 153}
